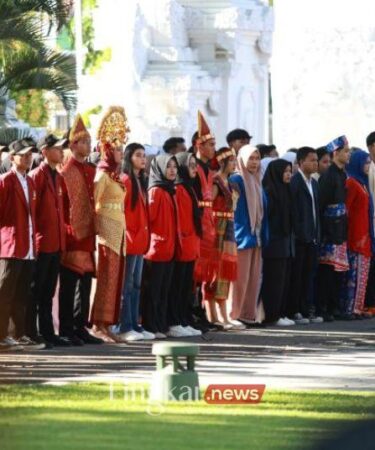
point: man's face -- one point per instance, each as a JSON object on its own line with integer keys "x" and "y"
{"x": 179, "y": 148}
{"x": 343, "y": 155}
{"x": 238, "y": 144}
{"x": 23, "y": 162}
{"x": 310, "y": 164}
{"x": 324, "y": 163}
{"x": 81, "y": 147}
{"x": 371, "y": 150}
{"x": 207, "y": 149}
{"x": 53, "y": 155}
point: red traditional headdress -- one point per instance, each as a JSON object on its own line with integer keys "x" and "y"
{"x": 204, "y": 132}
{"x": 78, "y": 130}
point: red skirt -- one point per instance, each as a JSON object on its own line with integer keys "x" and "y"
{"x": 110, "y": 275}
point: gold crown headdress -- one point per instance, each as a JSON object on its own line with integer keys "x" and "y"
{"x": 114, "y": 126}
{"x": 227, "y": 154}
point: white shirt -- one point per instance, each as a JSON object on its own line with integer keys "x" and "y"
{"x": 23, "y": 180}
{"x": 310, "y": 189}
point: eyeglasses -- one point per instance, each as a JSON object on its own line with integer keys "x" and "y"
{"x": 192, "y": 165}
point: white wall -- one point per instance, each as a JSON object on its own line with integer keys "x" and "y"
{"x": 323, "y": 73}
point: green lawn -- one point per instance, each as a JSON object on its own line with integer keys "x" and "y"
{"x": 82, "y": 416}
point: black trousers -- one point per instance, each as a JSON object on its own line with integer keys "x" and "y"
{"x": 39, "y": 319}
{"x": 370, "y": 291}
{"x": 329, "y": 284}
{"x": 74, "y": 301}
{"x": 15, "y": 291}
{"x": 275, "y": 287}
{"x": 303, "y": 269}
{"x": 155, "y": 305}
{"x": 181, "y": 294}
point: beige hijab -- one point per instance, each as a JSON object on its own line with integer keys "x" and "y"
{"x": 253, "y": 188}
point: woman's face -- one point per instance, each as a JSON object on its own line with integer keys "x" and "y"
{"x": 118, "y": 154}
{"x": 366, "y": 167}
{"x": 192, "y": 167}
{"x": 287, "y": 175}
{"x": 231, "y": 165}
{"x": 253, "y": 162}
{"x": 171, "y": 171}
{"x": 138, "y": 159}
{"x": 324, "y": 163}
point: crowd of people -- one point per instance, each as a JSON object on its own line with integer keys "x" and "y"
{"x": 188, "y": 241}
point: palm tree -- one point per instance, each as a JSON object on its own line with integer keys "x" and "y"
{"x": 26, "y": 62}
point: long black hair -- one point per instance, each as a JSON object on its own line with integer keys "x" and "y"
{"x": 129, "y": 170}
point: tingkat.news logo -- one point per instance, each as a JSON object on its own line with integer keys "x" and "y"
{"x": 234, "y": 394}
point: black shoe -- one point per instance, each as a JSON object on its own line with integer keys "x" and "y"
{"x": 75, "y": 341}
{"x": 58, "y": 341}
{"x": 40, "y": 340}
{"x": 347, "y": 317}
{"x": 88, "y": 338}
{"x": 328, "y": 318}
{"x": 358, "y": 317}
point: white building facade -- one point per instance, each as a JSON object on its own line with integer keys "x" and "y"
{"x": 173, "y": 57}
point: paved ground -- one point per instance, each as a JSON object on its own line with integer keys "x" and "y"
{"x": 339, "y": 355}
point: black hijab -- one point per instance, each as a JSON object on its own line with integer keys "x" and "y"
{"x": 158, "y": 170}
{"x": 185, "y": 180}
{"x": 279, "y": 194}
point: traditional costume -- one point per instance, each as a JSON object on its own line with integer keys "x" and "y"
{"x": 109, "y": 195}
{"x": 206, "y": 264}
{"x": 77, "y": 263}
{"x": 333, "y": 255}
{"x": 223, "y": 209}
{"x": 360, "y": 235}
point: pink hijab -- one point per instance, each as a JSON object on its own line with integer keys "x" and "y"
{"x": 253, "y": 187}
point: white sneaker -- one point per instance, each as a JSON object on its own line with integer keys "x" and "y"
{"x": 131, "y": 336}
{"x": 300, "y": 320}
{"x": 316, "y": 319}
{"x": 282, "y": 323}
{"x": 291, "y": 322}
{"x": 159, "y": 335}
{"x": 237, "y": 325}
{"x": 178, "y": 331}
{"x": 193, "y": 331}
{"x": 147, "y": 335}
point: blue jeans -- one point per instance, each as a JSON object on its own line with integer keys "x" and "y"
{"x": 131, "y": 294}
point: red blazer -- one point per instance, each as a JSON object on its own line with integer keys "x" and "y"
{"x": 14, "y": 216}
{"x": 188, "y": 250}
{"x": 137, "y": 227}
{"x": 357, "y": 204}
{"x": 50, "y": 228}
{"x": 163, "y": 225}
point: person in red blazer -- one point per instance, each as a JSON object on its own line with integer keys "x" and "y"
{"x": 360, "y": 236}
{"x": 164, "y": 238}
{"x": 137, "y": 242}
{"x": 181, "y": 296}
{"x": 50, "y": 236}
{"x": 17, "y": 244}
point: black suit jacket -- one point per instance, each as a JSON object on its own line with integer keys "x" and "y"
{"x": 304, "y": 228}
